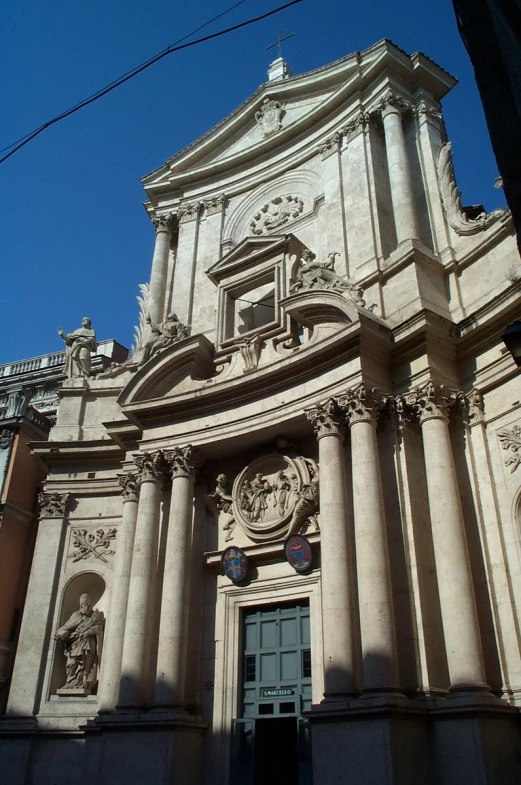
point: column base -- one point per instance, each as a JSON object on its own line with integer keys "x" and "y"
{"x": 465, "y": 738}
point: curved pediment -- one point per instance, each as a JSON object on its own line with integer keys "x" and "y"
{"x": 175, "y": 368}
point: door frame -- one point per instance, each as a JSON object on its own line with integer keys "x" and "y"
{"x": 273, "y": 587}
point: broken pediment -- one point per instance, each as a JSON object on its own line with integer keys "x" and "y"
{"x": 175, "y": 369}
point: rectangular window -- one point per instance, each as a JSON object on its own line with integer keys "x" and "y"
{"x": 306, "y": 663}
{"x": 249, "y": 668}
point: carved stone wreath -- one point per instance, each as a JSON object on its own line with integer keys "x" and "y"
{"x": 275, "y": 494}
{"x": 276, "y": 213}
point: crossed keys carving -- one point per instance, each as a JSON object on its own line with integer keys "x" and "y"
{"x": 87, "y": 544}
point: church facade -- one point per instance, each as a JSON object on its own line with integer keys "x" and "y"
{"x": 281, "y": 542}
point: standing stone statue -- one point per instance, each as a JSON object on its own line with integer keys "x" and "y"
{"x": 79, "y": 345}
{"x": 82, "y": 635}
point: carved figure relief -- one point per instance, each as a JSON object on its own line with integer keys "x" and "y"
{"x": 511, "y": 442}
{"x": 166, "y": 333}
{"x": 96, "y": 544}
{"x": 276, "y": 213}
{"x": 220, "y": 503}
{"x": 82, "y": 636}
{"x": 307, "y": 273}
{"x": 451, "y": 198}
{"x": 276, "y": 495}
{"x": 269, "y": 117}
{"x": 6, "y": 437}
{"x": 79, "y": 345}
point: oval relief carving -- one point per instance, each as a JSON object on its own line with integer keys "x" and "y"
{"x": 275, "y": 495}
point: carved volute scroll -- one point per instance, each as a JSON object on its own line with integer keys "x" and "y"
{"x": 183, "y": 461}
{"x": 451, "y": 198}
{"x": 52, "y": 505}
{"x": 473, "y": 407}
{"x": 326, "y": 419}
{"x": 152, "y": 466}
{"x": 361, "y": 404}
{"x": 129, "y": 487}
{"x": 164, "y": 223}
{"x": 429, "y": 401}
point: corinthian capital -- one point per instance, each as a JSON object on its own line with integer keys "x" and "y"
{"x": 129, "y": 487}
{"x": 392, "y": 103}
{"x": 428, "y": 402}
{"x": 326, "y": 419}
{"x": 164, "y": 223}
{"x": 361, "y": 404}
{"x": 183, "y": 461}
{"x": 152, "y": 466}
{"x": 52, "y": 505}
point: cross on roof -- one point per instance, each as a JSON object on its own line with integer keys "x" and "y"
{"x": 278, "y": 42}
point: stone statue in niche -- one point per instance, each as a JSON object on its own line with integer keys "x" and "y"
{"x": 79, "y": 345}
{"x": 275, "y": 496}
{"x": 167, "y": 333}
{"x": 82, "y": 636}
{"x": 307, "y": 273}
{"x": 220, "y": 503}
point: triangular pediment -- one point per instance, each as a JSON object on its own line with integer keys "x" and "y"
{"x": 300, "y": 106}
{"x": 251, "y": 251}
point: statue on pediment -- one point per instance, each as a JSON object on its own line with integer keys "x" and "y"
{"x": 166, "y": 333}
{"x": 79, "y": 345}
{"x": 308, "y": 273}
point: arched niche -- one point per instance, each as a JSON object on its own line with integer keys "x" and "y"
{"x": 90, "y": 583}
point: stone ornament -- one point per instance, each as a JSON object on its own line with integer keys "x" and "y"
{"x": 361, "y": 404}
{"x": 152, "y": 466}
{"x": 510, "y": 441}
{"x": 129, "y": 487}
{"x": 142, "y": 340}
{"x": 214, "y": 205}
{"x": 326, "y": 419}
{"x": 428, "y": 401}
{"x": 96, "y": 544}
{"x": 451, "y": 198}
{"x": 6, "y": 437}
{"x": 220, "y": 502}
{"x": 331, "y": 145}
{"x": 251, "y": 349}
{"x": 189, "y": 212}
{"x": 164, "y": 223}
{"x": 275, "y": 496}
{"x": 52, "y": 505}
{"x": 276, "y": 213}
{"x": 79, "y": 345}
{"x": 307, "y": 273}
{"x": 269, "y": 117}
{"x": 183, "y": 461}
{"x": 82, "y": 636}
{"x": 391, "y": 102}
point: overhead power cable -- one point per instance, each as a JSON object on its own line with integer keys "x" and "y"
{"x": 140, "y": 68}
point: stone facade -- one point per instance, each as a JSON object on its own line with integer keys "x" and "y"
{"x": 316, "y": 439}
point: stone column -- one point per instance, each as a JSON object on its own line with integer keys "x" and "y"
{"x": 402, "y": 195}
{"x": 175, "y": 602}
{"x": 156, "y": 297}
{"x": 39, "y": 607}
{"x": 459, "y": 618}
{"x": 135, "y": 663}
{"x": 115, "y": 629}
{"x": 372, "y": 558}
{"x": 340, "y": 660}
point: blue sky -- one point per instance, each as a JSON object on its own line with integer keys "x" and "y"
{"x": 75, "y": 239}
